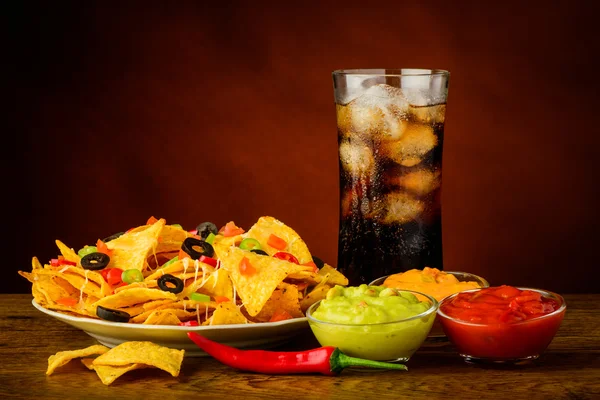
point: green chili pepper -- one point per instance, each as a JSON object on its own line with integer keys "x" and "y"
{"x": 177, "y": 226}
{"x": 87, "y": 250}
{"x": 250, "y": 244}
{"x": 132, "y": 275}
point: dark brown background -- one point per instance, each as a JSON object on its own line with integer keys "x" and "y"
{"x": 197, "y": 112}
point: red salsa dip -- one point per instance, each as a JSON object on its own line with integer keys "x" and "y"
{"x": 501, "y": 322}
{"x": 499, "y": 305}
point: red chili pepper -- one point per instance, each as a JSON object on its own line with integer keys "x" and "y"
{"x": 325, "y": 360}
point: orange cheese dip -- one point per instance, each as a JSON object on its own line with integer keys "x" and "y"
{"x": 431, "y": 281}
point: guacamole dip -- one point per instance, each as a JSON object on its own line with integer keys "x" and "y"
{"x": 368, "y": 305}
{"x": 372, "y": 322}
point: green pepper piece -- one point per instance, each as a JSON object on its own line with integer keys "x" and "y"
{"x": 132, "y": 275}
{"x": 199, "y": 297}
{"x": 177, "y": 226}
{"x": 210, "y": 238}
{"x": 86, "y": 250}
{"x": 250, "y": 244}
{"x": 171, "y": 261}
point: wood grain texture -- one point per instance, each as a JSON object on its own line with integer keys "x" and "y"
{"x": 569, "y": 369}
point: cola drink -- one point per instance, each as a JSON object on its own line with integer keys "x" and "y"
{"x": 390, "y": 134}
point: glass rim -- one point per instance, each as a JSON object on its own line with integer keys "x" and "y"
{"x": 391, "y": 72}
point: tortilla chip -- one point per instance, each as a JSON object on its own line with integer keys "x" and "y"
{"x": 162, "y": 317}
{"x": 218, "y": 283}
{"x": 335, "y": 276}
{"x": 147, "y": 353}
{"x": 266, "y": 226}
{"x": 283, "y": 299}
{"x": 36, "y": 264}
{"x": 130, "y": 250}
{"x": 227, "y": 314}
{"x": 318, "y": 293}
{"x": 256, "y": 289}
{"x": 63, "y": 357}
{"x": 134, "y": 296}
{"x": 182, "y": 309}
{"x": 67, "y": 252}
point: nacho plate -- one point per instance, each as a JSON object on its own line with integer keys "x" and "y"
{"x": 249, "y": 336}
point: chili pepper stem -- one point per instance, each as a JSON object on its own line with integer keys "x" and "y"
{"x": 338, "y": 361}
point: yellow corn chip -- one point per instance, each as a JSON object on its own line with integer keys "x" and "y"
{"x": 131, "y": 249}
{"x": 335, "y": 276}
{"x": 284, "y": 298}
{"x": 63, "y": 357}
{"x": 318, "y": 293}
{"x": 266, "y": 226}
{"x": 227, "y": 313}
{"x": 36, "y": 264}
{"x": 162, "y": 317}
{"x": 148, "y": 353}
{"x": 182, "y": 309}
{"x": 67, "y": 252}
{"x": 134, "y": 296}
{"x": 108, "y": 373}
{"x": 257, "y": 288}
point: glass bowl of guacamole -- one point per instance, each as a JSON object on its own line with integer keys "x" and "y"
{"x": 373, "y": 322}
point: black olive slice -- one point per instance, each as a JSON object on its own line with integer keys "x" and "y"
{"x": 318, "y": 262}
{"x": 95, "y": 261}
{"x": 197, "y": 248}
{"x": 168, "y": 278}
{"x": 205, "y": 229}
{"x": 259, "y": 251}
{"x": 112, "y": 315}
{"x": 112, "y": 237}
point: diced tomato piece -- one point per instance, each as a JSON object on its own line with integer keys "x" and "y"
{"x": 276, "y": 242}
{"x": 246, "y": 268}
{"x": 280, "y": 315}
{"x": 282, "y": 255}
{"x": 151, "y": 221}
{"x": 67, "y": 301}
{"x": 57, "y": 262}
{"x": 189, "y": 323}
{"x": 182, "y": 254}
{"x": 221, "y": 299}
{"x": 103, "y": 248}
{"x": 113, "y": 276}
{"x": 230, "y": 229}
{"x": 208, "y": 260}
{"x": 312, "y": 264}
{"x": 104, "y": 273}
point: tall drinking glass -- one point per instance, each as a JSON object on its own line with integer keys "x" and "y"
{"x": 391, "y": 133}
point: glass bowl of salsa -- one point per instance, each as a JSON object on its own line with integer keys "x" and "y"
{"x": 501, "y": 324}
{"x": 373, "y": 322}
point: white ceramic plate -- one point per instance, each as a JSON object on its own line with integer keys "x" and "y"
{"x": 252, "y": 336}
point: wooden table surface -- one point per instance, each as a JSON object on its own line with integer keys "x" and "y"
{"x": 569, "y": 369}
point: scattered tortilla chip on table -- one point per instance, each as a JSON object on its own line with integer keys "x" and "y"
{"x": 63, "y": 357}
